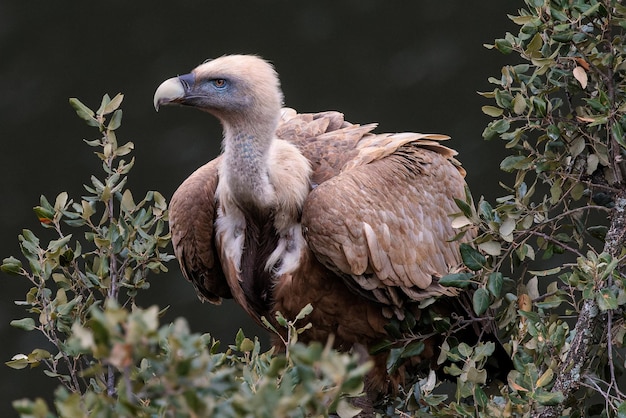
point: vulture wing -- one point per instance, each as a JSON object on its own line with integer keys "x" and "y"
{"x": 383, "y": 223}
{"x": 192, "y": 215}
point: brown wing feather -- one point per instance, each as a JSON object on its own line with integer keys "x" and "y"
{"x": 192, "y": 214}
{"x": 383, "y": 223}
{"x": 325, "y": 139}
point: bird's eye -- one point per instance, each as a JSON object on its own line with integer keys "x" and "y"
{"x": 220, "y": 83}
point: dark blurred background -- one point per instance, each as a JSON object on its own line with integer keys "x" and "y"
{"x": 408, "y": 65}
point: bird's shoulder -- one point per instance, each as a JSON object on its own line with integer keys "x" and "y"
{"x": 326, "y": 139}
{"x": 333, "y": 145}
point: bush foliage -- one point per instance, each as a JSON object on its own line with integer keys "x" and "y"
{"x": 547, "y": 265}
{"x": 559, "y": 230}
{"x": 112, "y": 357}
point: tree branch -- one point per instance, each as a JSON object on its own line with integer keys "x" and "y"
{"x": 576, "y": 362}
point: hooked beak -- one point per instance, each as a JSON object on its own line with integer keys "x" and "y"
{"x": 173, "y": 90}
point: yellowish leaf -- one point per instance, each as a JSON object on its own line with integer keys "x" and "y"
{"x": 84, "y": 336}
{"x": 545, "y": 378}
{"x": 517, "y": 387}
{"x": 492, "y": 111}
{"x": 519, "y": 104}
{"x": 507, "y": 228}
{"x": 581, "y": 75}
{"x": 592, "y": 163}
{"x": 491, "y": 247}
{"x": 460, "y": 222}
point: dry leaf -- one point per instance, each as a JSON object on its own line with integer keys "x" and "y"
{"x": 585, "y": 119}
{"x": 581, "y": 75}
{"x": 524, "y": 303}
{"x": 582, "y": 63}
{"x": 121, "y": 355}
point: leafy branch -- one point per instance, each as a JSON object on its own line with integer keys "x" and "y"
{"x": 112, "y": 356}
{"x": 73, "y": 277}
{"x": 561, "y": 112}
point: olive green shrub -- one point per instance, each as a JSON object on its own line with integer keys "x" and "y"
{"x": 113, "y": 358}
{"x": 549, "y": 255}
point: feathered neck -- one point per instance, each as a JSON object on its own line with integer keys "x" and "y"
{"x": 245, "y": 167}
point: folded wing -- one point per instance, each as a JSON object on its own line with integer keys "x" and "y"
{"x": 192, "y": 216}
{"x": 383, "y": 223}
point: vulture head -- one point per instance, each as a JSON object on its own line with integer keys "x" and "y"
{"x": 237, "y": 89}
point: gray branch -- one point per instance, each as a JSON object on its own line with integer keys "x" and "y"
{"x": 576, "y": 362}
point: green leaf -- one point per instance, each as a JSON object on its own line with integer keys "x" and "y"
{"x": 501, "y": 125}
{"x": 239, "y": 338}
{"x": 28, "y": 236}
{"x": 519, "y": 104}
{"x": 466, "y": 209}
{"x": 545, "y": 378}
{"x": 394, "y": 359}
{"x": 11, "y": 265}
{"x": 452, "y": 370}
{"x": 477, "y": 376}
{"x": 27, "y": 324}
{"x": 553, "y": 132}
{"x": 393, "y": 328}
{"x": 606, "y": 299}
{"x": 277, "y": 364}
{"x": 593, "y": 9}
{"x": 618, "y": 134}
{"x": 521, "y": 20}
{"x": 547, "y": 272}
{"x": 494, "y": 283}
{"x": 346, "y": 410}
{"x": 539, "y": 105}
{"x": 159, "y": 201}
{"x": 413, "y": 349}
{"x": 37, "y": 408}
{"x": 484, "y": 350}
{"x": 282, "y": 321}
{"x": 461, "y": 280}
{"x": 84, "y": 112}
{"x": 247, "y": 345}
{"x": 105, "y": 101}
{"x": 113, "y": 104}
{"x": 492, "y": 111}
{"x": 485, "y": 210}
{"x": 44, "y": 215}
{"x": 125, "y": 149}
{"x": 381, "y": 346}
{"x": 127, "y": 203}
{"x": 493, "y": 248}
{"x": 55, "y": 245}
{"x": 19, "y": 361}
{"x": 473, "y": 259}
{"x": 304, "y": 312}
{"x": 503, "y": 46}
{"x": 116, "y": 120}
{"x": 516, "y": 162}
{"x": 480, "y": 397}
{"x": 548, "y": 398}
{"x": 534, "y": 45}
{"x": 480, "y": 301}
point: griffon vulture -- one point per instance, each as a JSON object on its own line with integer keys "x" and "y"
{"x": 309, "y": 208}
